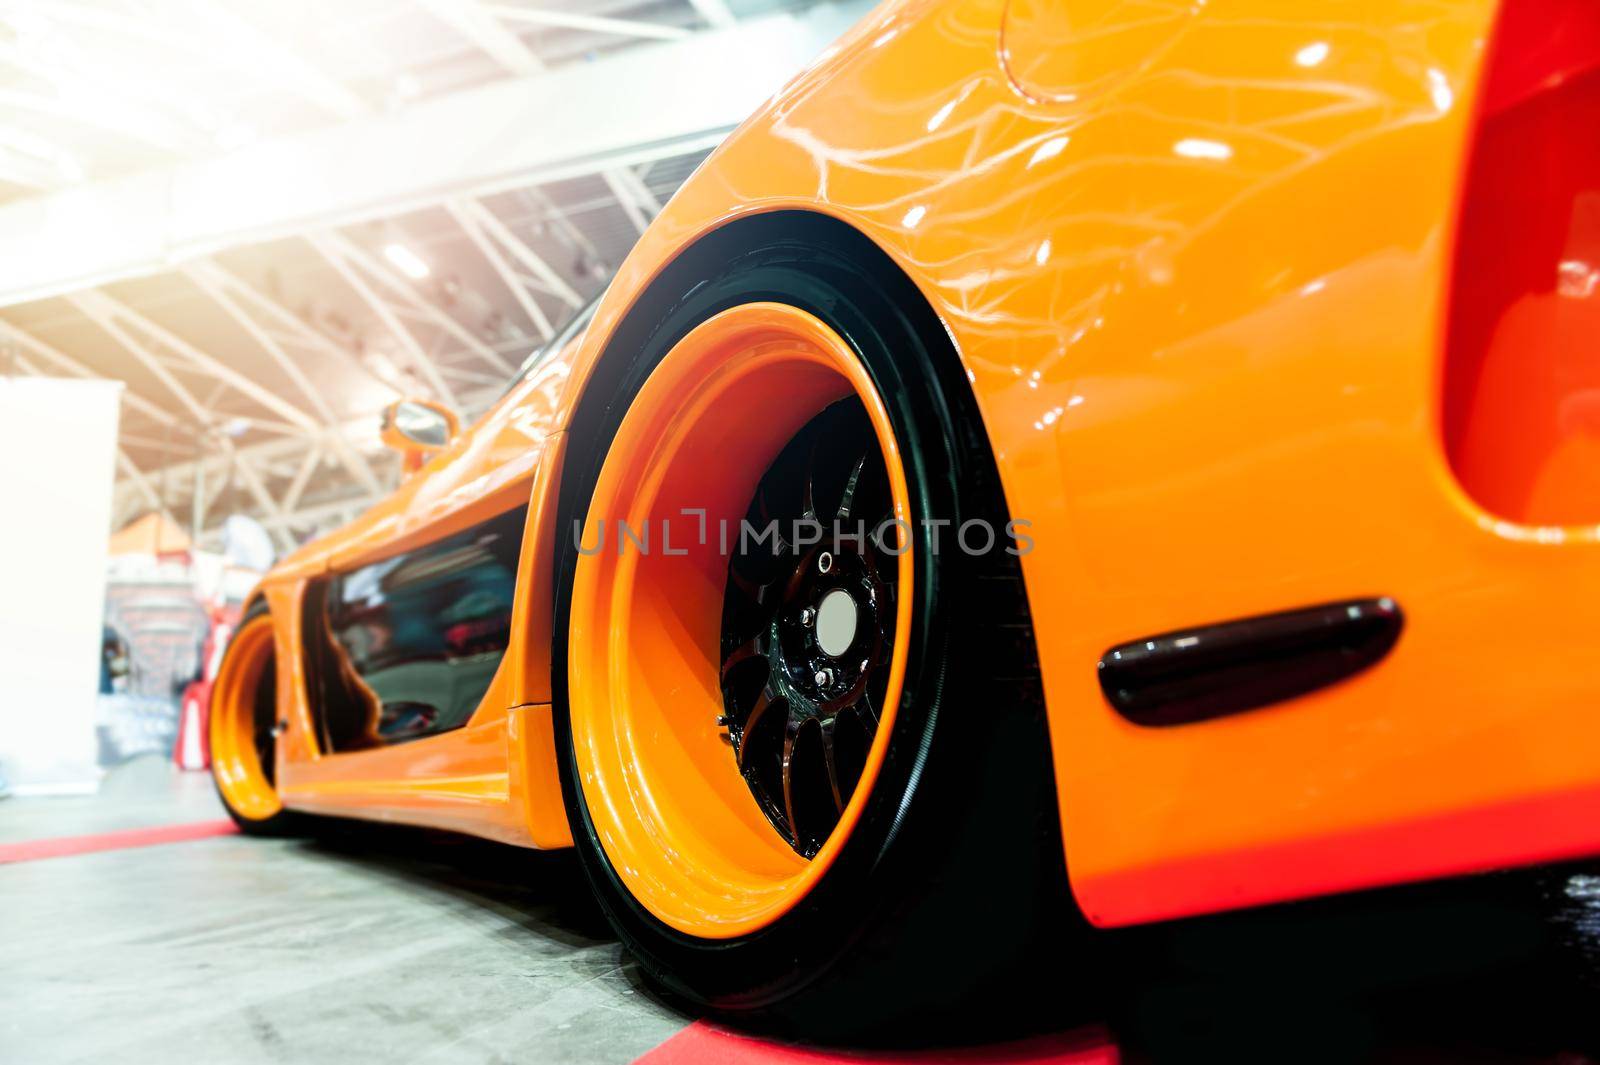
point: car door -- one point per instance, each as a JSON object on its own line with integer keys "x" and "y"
{"x": 404, "y": 631}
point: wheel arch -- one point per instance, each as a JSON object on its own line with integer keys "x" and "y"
{"x": 254, "y": 605}
{"x": 595, "y": 381}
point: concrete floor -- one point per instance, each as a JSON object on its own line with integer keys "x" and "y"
{"x": 383, "y": 947}
{"x": 398, "y": 946}
{"x": 145, "y": 792}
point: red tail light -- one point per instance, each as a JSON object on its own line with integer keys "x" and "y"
{"x": 1522, "y": 370}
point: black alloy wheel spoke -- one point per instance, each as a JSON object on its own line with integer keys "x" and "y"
{"x": 747, "y": 586}
{"x": 833, "y": 768}
{"x": 753, "y": 648}
{"x": 790, "y": 735}
{"x": 850, "y": 485}
{"x": 808, "y": 502}
{"x": 866, "y": 715}
{"x": 773, "y": 651}
{"x": 762, "y": 704}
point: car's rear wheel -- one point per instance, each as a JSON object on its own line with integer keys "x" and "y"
{"x": 807, "y": 776}
{"x": 243, "y": 726}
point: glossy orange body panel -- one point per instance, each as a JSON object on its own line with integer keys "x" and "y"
{"x": 1198, "y": 282}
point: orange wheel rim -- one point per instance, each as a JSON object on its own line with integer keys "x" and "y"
{"x": 235, "y": 758}
{"x": 674, "y": 814}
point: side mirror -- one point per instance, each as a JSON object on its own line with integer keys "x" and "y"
{"x": 417, "y": 429}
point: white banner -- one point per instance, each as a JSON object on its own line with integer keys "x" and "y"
{"x": 57, "y": 463}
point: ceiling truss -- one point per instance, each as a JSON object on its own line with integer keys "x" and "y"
{"x": 202, "y": 439}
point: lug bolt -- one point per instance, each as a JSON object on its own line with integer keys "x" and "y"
{"x": 824, "y": 677}
{"x": 807, "y": 616}
{"x": 824, "y": 562}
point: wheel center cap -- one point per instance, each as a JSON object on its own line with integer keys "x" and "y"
{"x": 836, "y": 622}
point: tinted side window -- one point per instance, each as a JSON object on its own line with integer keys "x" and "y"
{"x": 407, "y": 647}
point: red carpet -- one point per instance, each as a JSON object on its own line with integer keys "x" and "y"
{"x": 706, "y": 1044}
{"x": 66, "y": 846}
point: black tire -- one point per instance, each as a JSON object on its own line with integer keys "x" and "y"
{"x": 284, "y": 822}
{"x": 952, "y": 888}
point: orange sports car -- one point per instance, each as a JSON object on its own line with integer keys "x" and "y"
{"x": 1096, "y": 459}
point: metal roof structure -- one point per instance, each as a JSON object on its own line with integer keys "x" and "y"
{"x": 269, "y": 220}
